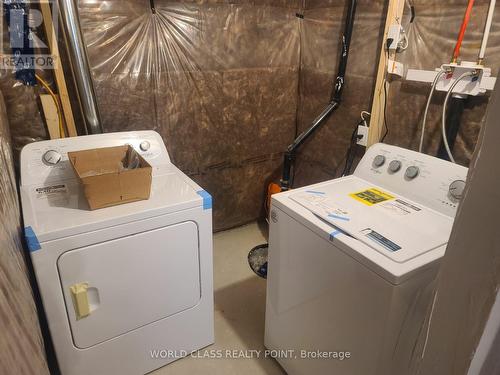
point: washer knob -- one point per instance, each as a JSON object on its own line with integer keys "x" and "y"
{"x": 412, "y": 172}
{"x": 145, "y": 146}
{"x": 52, "y": 157}
{"x": 379, "y": 161}
{"x": 394, "y": 166}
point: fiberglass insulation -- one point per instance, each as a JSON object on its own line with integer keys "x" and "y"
{"x": 229, "y": 84}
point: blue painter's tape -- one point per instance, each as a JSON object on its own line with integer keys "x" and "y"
{"x": 207, "y": 199}
{"x": 339, "y": 217}
{"x": 315, "y": 192}
{"x": 31, "y": 240}
{"x": 334, "y": 234}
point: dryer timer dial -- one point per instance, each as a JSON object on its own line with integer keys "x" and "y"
{"x": 52, "y": 157}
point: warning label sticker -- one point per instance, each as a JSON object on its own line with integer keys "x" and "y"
{"x": 51, "y": 191}
{"x": 371, "y": 196}
{"x": 400, "y": 207}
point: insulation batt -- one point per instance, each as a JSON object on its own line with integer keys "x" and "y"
{"x": 21, "y": 345}
{"x": 229, "y": 84}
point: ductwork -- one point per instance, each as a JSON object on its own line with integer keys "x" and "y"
{"x": 79, "y": 61}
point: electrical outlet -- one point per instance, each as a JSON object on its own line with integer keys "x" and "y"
{"x": 362, "y": 139}
{"x": 394, "y": 34}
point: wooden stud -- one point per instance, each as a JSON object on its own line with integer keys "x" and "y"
{"x": 58, "y": 70}
{"x": 377, "y": 129}
{"x": 51, "y": 115}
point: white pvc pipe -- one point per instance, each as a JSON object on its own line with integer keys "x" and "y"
{"x": 487, "y": 29}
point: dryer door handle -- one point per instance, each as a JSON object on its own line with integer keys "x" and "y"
{"x": 80, "y": 300}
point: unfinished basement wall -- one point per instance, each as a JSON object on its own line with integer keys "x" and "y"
{"x": 23, "y": 114}
{"x": 229, "y": 85}
{"x": 432, "y": 39}
{"x": 218, "y": 81}
{"x": 21, "y": 345}
{"x": 431, "y": 42}
{"x": 323, "y": 156}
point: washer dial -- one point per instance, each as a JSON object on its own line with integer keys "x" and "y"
{"x": 394, "y": 166}
{"x": 456, "y": 190}
{"x": 379, "y": 161}
{"x": 52, "y": 157}
{"x": 412, "y": 172}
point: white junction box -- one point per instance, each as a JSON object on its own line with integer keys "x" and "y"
{"x": 122, "y": 283}
{"x": 475, "y": 85}
{"x": 363, "y": 131}
{"x": 352, "y": 263}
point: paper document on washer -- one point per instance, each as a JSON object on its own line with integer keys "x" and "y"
{"x": 393, "y": 225}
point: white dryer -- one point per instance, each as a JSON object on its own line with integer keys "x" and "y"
{"x": 352, "y": 263}
{"x": 146, "y": 266}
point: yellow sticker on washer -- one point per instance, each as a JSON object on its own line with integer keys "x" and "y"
{"x": 371, "y": 196}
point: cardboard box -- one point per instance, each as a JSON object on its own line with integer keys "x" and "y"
{"x": 108, "y": 177}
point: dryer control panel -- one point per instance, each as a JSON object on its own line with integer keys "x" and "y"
{"x": 47, "y": 161}
{"x": 433, "y": 182}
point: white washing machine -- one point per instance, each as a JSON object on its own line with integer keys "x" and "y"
{"x": 352, "y": 263}
{"x": 126, "y": 289}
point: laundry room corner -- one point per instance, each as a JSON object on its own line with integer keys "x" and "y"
{"x": 255, "y": 187}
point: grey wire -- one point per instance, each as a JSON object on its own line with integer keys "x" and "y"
{"x": 443, "y": 127}
{"x": 433, "y": 88}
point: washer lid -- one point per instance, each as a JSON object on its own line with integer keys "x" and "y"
{"x": 390, "y": 224}
{"x": 60, "y": 210}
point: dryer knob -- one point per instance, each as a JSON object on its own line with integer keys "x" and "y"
{"x": 52, "y": 157}
{"x": 145, "y": 146}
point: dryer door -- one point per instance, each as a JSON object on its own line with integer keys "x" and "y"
{"x": 118, "y": 286}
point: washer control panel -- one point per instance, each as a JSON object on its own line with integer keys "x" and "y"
{"x": 48, "y": 160}
{"x": 435, "y": 183}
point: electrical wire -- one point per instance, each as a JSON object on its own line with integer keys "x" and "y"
{"x": 445, "y": 105}
{"x": 56, "y": 102}
{"x": 363, "y": 114}
{"x": 349, "y": 159}
{"x": 406, "y": 30}
{"x": 386, "y": 95}
{"x": 487, "y": 28}
{"x": 424, "y": 121}
{"x": 461, "y": 34}
{"x": 386, "y": 99}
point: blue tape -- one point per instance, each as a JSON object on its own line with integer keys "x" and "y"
{"x": 315, "y": 192}
{"x": 207, "y": 199}
{"x": 334, "y": 234}
{"x": 31, "y": 240}
{"x": 339, "y": 217}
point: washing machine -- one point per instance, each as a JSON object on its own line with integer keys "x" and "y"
{"x": 353, "y": 261}
{"x": 125, "y": 289}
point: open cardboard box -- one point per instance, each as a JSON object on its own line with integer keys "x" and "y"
{"x": 106, "y": 177}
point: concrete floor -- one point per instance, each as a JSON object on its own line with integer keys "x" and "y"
{"x": 240, "y": 303}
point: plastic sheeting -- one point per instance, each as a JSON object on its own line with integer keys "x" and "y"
{"x": 229, "y": 85}
{"x": 431, "y": 43}
{"x": 218, "y": 81}
{"x": 323, "y": 157}
{"x": 26, "y": 124}
{"x": 21, "y": 345}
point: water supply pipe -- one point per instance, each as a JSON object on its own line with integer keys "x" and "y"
{"x": 486, "y": 35}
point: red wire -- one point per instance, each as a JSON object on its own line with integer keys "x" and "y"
{"x": 461, "y": 35}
